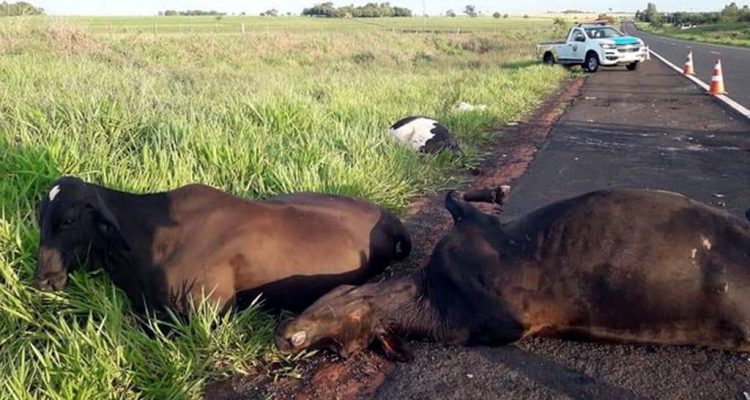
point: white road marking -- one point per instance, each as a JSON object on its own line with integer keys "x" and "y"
{"x": 715, "y": 52}
{"x": 723, "y": 98}
{"x": 657, "y": 38}
{"x": 54, "y": 192}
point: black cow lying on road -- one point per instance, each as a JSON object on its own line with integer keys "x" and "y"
{"x": 164, "y": 248}
{"x": 617, "y": 265}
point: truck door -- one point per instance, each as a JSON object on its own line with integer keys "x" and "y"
{"x": 565, "y": 50}
{"x": 576, "y": 45}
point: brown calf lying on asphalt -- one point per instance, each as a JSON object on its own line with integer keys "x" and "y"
{"x": 616, "y": 265}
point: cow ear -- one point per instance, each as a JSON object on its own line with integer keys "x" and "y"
{"x": 393, "y": 348}
{"x": 107, "y": 226}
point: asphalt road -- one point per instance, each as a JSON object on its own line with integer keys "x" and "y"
{"x": 735, "y": 61}
{"x": 650, "y": 128}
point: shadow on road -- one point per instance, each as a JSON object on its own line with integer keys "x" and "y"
{"x": 555, "y": 377}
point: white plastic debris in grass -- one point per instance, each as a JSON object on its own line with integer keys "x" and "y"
{"x": 464, "y": 106}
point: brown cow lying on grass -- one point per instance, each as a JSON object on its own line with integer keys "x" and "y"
{"x": 617, "y": 265}
{"x": 165, "y": 248}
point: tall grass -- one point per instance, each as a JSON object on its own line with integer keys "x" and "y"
{"x": 258, "y": 114}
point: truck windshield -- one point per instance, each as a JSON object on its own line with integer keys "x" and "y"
{"x": 602, "y": 33}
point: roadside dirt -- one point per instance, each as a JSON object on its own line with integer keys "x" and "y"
{"x": 329, "y": 377}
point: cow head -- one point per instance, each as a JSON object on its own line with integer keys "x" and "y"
{"x": 75, "y": 226}
{"x": 347, "y": 320}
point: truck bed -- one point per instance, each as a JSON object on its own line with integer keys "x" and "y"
{"x": 552, "y": 43}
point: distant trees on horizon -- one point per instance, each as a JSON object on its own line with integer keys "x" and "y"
{"x": 731, "y": 13}
{"x": 191, "y": 12}
{"x": 369, "y": 10}
{"x": 19, "y": 8}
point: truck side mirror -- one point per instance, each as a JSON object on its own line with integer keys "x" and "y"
{"x": 580, "y": 38}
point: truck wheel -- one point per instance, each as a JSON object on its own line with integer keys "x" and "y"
{"x": 633, "y": 66}
{"x": 592, "y": 62}
{"x": 549, "y": 59}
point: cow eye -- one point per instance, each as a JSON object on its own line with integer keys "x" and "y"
{"x": 67, "y": 223}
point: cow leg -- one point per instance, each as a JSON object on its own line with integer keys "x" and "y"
{"x": 496, "y": 195}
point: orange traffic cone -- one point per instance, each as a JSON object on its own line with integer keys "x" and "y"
{"x": 688, "y": 69}
{"x": 717, "y": 81}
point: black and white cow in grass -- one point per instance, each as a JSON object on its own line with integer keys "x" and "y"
{"x": 424, "y": 134}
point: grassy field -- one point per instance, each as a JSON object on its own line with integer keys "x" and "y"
{"x": 731, "y": 34}
{"x": 161, "y": 25}
{"x": 291, "y": 104}
{"x": 233, "y": 24}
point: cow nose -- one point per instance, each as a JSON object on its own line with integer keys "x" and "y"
{"x": 52, "y": 283}
{"x": 283, "y": 343}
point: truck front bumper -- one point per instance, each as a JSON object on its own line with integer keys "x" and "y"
{"x": 626, "y": 55}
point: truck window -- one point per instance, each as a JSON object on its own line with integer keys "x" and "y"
{"x": 578, "y": 36}
{"x": 603, "y": 32}
{"x": 572, "y": 34}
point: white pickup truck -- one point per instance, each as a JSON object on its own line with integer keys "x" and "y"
{"x": 594, "y": 45}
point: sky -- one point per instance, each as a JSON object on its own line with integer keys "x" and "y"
{"x": 254, "y": 7}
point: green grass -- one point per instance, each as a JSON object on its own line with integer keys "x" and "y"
{"x": 730, "y": 33}
{"x": 302, "y": 105}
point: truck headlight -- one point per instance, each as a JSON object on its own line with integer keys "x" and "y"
{"x": 607, "y": 46}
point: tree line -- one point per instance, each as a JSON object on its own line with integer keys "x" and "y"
{"x": 191, "y": 12}
{"x": 369, "y": 10}
{"x": 731, "y": 13}
{"x": 19, "y": 8}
